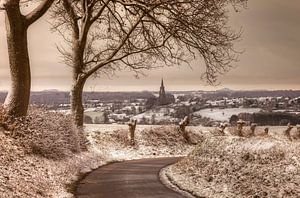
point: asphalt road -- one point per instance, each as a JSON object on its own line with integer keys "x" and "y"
{"x": 134, "y": 179}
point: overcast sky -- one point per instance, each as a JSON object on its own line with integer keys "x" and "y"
{"x": 271, "y": 58}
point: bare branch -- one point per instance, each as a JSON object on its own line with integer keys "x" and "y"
{"x": 142, "y": 34}
{"x": 38, "y": 12}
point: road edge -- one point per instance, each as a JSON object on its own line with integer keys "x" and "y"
{"x": 72, "y": 187}
{"x": 166, "y": 180}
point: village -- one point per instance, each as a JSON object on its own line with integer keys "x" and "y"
{"x": 203, "y": 109}
{"x": 207, "y": 108}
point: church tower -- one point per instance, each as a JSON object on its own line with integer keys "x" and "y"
{"x": 162, "y": 94}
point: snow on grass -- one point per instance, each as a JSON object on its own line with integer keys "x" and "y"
{"x": 151, "y": 141}
{"x": 230, "y": 166}
{"x": 158, "y": 114}
{"x": 102, "y": 128}
{"x": 224, "y": 114}
{"x": 44, "y": 155}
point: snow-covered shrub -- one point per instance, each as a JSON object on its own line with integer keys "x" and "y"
{"x": 164, "y": 135}
{"x": 167, "y": 136}
{"x": 39, "y": 156}
{"x": 150, "y": 141}
{"x": 118, "y": 138}
{"x": 158, "y": 136}
{"x": 51, "y": 135}
{"x": 240, "y": 167}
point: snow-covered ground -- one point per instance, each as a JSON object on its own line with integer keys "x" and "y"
{"x": 102, "y": 128}
{"x": 43, "y": 155}
{"x": 50, "y": 166}
{"x": 38, "y": 172}
{"x": 151, "y": 141}
{"x": 231, "y": 166}
{"x": 158, "y": 114}
{"x": 224, "y": 114}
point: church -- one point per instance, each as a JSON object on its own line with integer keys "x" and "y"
{"x": 163, "y": 97}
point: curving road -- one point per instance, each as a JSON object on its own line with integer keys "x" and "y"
{"x": 129, "y": 179}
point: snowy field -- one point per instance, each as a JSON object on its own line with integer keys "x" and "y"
{"x": 224, "y": 114}
{"x": 108, "y": 128}
{"x": 103, "y": 128}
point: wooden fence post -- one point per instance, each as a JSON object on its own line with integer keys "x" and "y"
{"x": 132, "y": 127}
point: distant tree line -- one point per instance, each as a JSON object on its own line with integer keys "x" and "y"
{"x": 252, "y": 94}
{"x": 60, "y": 97}
{"x": 267, "y": 118}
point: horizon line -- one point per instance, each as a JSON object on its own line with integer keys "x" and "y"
{"x": 222, "y": 89}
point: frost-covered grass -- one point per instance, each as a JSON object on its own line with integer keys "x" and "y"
{"x": 231, "y": 166}
{"x": 224, "y": 114}
{"x": 151, "y": 141}
{"x": 43, "y": 155}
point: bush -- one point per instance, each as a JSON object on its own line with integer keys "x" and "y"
{"x": 87, "y": 119}
{"x": 51, "y": 135}
{"x": 241, "y": 167}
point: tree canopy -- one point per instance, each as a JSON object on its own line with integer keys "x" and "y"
{"x": 143, "y": 34}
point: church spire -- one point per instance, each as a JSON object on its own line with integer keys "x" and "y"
{"x": 163, "y": 98}
{"x": 162, "y": 94}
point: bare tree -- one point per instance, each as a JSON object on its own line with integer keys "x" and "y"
{"x": 104, "y": 36}
{"x": 17, "y": 24}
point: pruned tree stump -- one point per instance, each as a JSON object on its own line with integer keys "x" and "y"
{"x": 297, "y": 135}
{"x": 222, "y": 128}
{"x": 132, "y": 127}
{"x": 252, "y": 129}
{"x": 287, "y": 132}
{"x": 182, "y": 126}
{"x": 266, "y": 131}
{"x": 240, "y": 125}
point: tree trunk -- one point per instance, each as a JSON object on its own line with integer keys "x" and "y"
{"x": 77, "y": 103}
{"x": 17, "y": 100}
{"x": 79, "y": 80}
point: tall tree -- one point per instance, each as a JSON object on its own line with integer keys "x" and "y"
{"x": 108, "y": 35}
{"x": 17, "y": 24}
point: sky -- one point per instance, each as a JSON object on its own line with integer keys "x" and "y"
{"x": 270, "y": 60}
